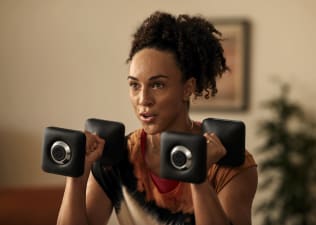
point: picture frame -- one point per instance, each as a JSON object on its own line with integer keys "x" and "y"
{"x": 232, "y": 85}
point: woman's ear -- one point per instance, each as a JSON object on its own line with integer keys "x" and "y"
{"x": 189, "y": 88}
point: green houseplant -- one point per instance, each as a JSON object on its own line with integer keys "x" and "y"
{"x": 288, "y": 168}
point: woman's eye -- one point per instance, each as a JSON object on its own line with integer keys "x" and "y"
{"x": 134, "y": 85}
{"x": 158, "y": 85}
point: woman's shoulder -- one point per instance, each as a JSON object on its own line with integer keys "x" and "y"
{"x": 134, "y": 135}
{"x": 134, "y": 138}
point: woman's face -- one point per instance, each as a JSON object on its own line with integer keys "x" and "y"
{"x": 157, "y": 91}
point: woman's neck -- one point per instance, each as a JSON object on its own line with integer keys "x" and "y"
{"x": 153, "y": 140}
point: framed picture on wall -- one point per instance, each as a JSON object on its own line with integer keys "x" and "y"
{"x": 232, "y": 87}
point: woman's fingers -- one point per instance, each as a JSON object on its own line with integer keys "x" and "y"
{"x": 94, "y": 145}
{"x": 215, "y": 148}
{"x": 212, "y": 137}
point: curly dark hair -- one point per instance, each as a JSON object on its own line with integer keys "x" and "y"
{"x": 194, "y": 41}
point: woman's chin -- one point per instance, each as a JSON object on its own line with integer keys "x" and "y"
{"x": 151, "y": 129}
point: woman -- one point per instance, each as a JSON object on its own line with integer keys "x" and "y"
{"x": 171, "y": 58}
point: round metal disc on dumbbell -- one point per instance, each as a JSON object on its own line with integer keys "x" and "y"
{"x": 60, "y": 152}
{"x": 181, "y": 157}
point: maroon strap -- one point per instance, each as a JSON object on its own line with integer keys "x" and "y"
{"x": 163, "y": 185}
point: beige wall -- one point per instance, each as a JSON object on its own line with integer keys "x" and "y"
{"x": 62, "y": 62}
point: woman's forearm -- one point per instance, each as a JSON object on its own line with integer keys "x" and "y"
{"x": 207, "y": 208}
{"x": 73, "y": 206}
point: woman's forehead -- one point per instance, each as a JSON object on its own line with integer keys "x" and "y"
{"x": 152, "y": 62}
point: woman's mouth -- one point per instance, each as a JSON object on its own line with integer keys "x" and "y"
{"x": 147, "y": 117}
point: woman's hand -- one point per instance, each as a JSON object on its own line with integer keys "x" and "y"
{"x": 94, "y": 149}
{"x": 75, "y": 196}
{"x": 215, "y": 149}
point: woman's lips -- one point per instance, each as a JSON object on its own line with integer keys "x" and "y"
{"x": 147, "y": 117}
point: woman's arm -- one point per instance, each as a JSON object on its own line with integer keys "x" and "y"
{"x": 99, "y": 206}
{"x": 232, "y": 205}
{"x": 84, "y": 201}
{"x": 207, "y": 207}
{"x": 237, "y": 196}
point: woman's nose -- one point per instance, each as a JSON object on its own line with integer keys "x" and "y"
{"x": 145, "y": 98}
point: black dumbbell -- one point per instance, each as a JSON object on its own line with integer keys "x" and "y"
{"x": 63, "y": 149}
{"x": 183, "y": 156}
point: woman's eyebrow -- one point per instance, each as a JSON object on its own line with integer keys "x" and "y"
{"x": 151, "y": 78}
{"x": 131, "y": 78}
{"x": 158, "y": 76}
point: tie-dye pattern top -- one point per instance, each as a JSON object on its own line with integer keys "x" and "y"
{"x": 134, "y": 193}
